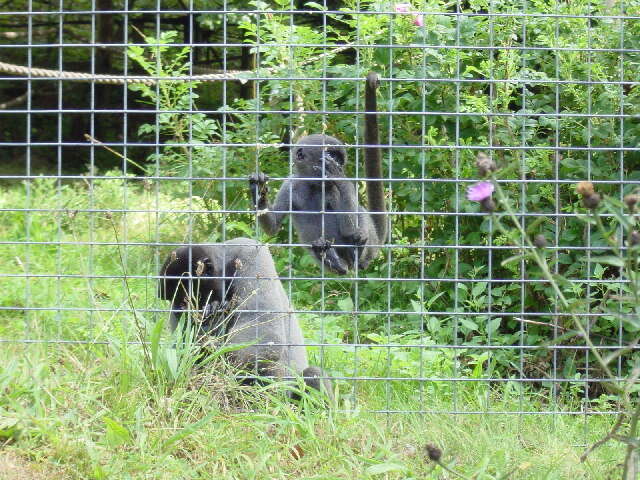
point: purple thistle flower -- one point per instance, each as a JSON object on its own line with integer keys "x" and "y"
{"x": 480, "y": 191}
{"x": 418, "y": 20}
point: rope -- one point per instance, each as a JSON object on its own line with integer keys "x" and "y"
{"x": 114, "y": 79}
{"x": 236, "y": 75}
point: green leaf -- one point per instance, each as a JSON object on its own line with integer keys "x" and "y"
{"x": 315, "y": 5}
{"x": 345, "y": 304}
{"x": 479, "y": 288}
{"x": 493, "y": 325}
{"x": 116, "y": 433}
{"x": 188, "y": 430}
{"x": 417, "y": 306}
{"x": 470, "y": 324}
{"x": 155, "y": 339}
{"x": 381, "y": 468}
{"x": 9, "y": 429}
{"x": 431, "y": 300}
{"x": 172, "y": 362}
{"x": 375, "y": 337}
{"x": 607, "y": 259}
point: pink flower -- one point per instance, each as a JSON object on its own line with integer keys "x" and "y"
{"x": 480, "y": 191}
{"x": 418, "y": 20}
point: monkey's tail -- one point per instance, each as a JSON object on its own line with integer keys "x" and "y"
{"x": 373, "y": 157}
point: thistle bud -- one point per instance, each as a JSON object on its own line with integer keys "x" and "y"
{"x": 585, "y": 189}
{"x": 488, "y": 205}
{"x": 631, "y": 201}
{"x": 540, "y": 241}
{"x": 485, "y": 164}
{"x": 591, "y": 201}
{"x": 433, "y": 452}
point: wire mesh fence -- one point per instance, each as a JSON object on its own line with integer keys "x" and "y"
{"x": 131, "y": 128}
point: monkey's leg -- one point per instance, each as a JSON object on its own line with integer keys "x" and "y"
{"x": 324, "y": 251}
{"x": 357, "y": 241}
{"x": 370, "y": 248}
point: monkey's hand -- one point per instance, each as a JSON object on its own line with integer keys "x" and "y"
{"x": 324, "y": 251}
{"x": 215, "y": 317}
{"x": 331, "y": 168}
{"x": 357, "y": 239}
{"x": 259, "y": 189}
{"x": 210, "y": 310}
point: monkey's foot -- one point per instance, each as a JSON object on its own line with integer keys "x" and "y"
{"x": 324, "y": 251}
{"x": 259, "y": 177}
{"x": 314, "y": 377}
{"x": 360, "y": 238}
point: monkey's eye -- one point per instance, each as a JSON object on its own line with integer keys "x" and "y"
{"x": 299, "y": 155}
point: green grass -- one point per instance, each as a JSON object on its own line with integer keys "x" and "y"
{"x": 99, "y": 410}
{"x": 93, "y": 412}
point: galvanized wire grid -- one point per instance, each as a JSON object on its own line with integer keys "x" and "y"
{"x": 90, "y": 313}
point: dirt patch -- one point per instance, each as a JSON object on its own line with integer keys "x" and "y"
{"x": 14, "y": 467}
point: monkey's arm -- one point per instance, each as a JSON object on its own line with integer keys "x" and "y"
{"x": 270, "y": 217}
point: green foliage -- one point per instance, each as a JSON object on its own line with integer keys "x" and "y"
{"x": 491, "y": 105}
{"x": 551, "y": 95}
{"x": 102, "y": 411}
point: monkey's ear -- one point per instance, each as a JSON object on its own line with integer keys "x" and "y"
{"x": 204, "y": 267}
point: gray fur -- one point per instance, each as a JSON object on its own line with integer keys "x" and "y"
{"x": 239, "y": 280}
{"x": 318, "y": 186}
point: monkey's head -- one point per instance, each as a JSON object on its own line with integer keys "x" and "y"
{"x": 312, "y": 151}
{"x": 192, "y": 265}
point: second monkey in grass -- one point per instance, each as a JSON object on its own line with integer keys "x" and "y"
{"x": 238, "y": 299}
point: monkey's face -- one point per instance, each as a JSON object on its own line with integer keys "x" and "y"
{"x": 190, "y": 278}
{"x": 315, "y": 155}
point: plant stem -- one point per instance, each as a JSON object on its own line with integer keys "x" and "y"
{"x": 631, "y": 458}
{"x": 544, "y": 267}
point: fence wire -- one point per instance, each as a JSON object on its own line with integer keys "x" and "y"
{"x": 101, "y": 182}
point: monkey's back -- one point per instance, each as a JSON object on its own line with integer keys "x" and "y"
{"x": 262, "y": 312}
